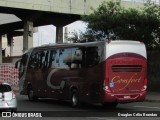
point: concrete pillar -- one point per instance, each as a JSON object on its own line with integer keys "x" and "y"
{"x": 28, "y": 35}
{"x": 59, "y": 34}
{"x": 11, "y": 47}
{"x": 0, "y": 49}
{"x": 65, "y": 34}
{"x": 10, "y": 43}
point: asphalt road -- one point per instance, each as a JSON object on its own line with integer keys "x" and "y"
{"x": 60, "y": 110}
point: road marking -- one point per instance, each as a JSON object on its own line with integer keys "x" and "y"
{"x": 147, "y": 107}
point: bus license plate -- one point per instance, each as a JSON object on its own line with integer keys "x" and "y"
{"x": 127, "y": 97}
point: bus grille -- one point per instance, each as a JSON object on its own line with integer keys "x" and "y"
{"x": 126, "y": 68}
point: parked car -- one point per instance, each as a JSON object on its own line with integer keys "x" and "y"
{"x": 7, "y": 97}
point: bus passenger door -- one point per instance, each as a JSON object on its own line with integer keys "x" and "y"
{"x": 63, "y": 71}
{"x": 72, "y": 64}
{"x": 51, "y": 73}
{"x": 37, "y": 74}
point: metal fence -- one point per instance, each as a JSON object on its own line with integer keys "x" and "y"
{"x": 9, "y": 74}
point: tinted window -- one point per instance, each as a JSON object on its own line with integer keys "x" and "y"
{"x": 77, "y": 55}
{"x": 92, "y": 56}
{"x": 53, "y": 59}
{"x": 5, "y": 88}
{"x": 39, "y": 59}
{"x": 44, "y": 59}
{"x": 23, "y": 64}
{"x": 25, "y": 58}
{"x": 65, "y": 56}
{"x": 34, "y": 61}
{"x": 60, "y": 58}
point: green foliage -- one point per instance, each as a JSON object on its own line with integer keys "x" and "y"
{"x": 111, "y": 21}
{"x": 74, "y": 38}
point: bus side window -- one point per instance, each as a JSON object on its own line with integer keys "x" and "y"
{"x": 44, "y": 59}
{"x": 65, "y": 58}
{"x": 76, "y": 61}
{"x": 34, "y": 60}
{"x": 92, "y": 56}
{"x": 23, "y": 64}
{"x": 53, "y": 56}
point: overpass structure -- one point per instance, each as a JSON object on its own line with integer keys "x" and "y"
{"x": 33, "y": 13}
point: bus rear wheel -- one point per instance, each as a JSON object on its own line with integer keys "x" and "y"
{"x": 75, "y": 98}
{"x": 110, "y": 105}
{"x": 31, "y": 96}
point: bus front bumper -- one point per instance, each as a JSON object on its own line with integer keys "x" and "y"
{"x": 124, "y": 98}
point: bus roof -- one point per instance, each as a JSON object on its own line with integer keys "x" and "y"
{"x": 65, "y": 45}
{"x": 125, "y": 42}
{"x": 122, "y": 46}
{"x": 115, "y": 46}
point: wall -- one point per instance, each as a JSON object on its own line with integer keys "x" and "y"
{"x": 153, "y": 71}
{"x": 11, "y": 59}
{"x": 61, "y": 6}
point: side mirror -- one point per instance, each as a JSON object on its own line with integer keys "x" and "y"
{"x": 17, "y": 64}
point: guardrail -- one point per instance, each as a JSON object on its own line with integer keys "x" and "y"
{"x": 9, "y": 74}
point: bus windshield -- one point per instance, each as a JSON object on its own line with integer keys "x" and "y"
{"x": 23, "y": 64}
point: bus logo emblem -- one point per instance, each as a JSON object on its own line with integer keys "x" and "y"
{"x": 111, "y": 84}
{"x": 126, "y": 82}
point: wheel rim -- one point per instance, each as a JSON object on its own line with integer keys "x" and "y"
{"x": 74, "y": 100}
{"x": 30, "y": 95}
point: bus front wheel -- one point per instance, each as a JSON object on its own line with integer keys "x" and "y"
{"x": 75, "y": 98}
{"x": 31, "y": 96}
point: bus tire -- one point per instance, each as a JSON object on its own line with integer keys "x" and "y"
{"x": 75, "y": 98}
{"x": 110, "y": 105}
{"x": 31, "y": 96}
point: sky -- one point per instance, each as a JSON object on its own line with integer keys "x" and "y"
{"x": 47, "y": 34}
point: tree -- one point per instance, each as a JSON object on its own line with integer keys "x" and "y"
{"x": 105, "y": 19}
{"x": 111, "y": 21}
{"x": 151, "y": 22}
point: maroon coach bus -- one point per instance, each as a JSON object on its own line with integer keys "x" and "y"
{"x": 96, "y": 72}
